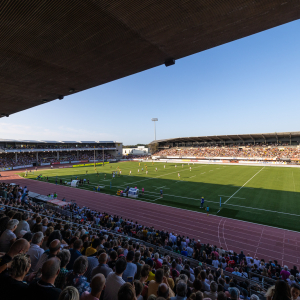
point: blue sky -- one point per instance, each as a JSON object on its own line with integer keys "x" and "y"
{"x": 251, "y": 85}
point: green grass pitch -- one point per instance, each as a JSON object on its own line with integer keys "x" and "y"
{"x": 264, "y": 195}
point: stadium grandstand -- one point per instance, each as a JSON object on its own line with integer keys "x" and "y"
{"x": 17, "y": 154}
{"x": 244, "y": 148}
{"x": 60, "y": 242}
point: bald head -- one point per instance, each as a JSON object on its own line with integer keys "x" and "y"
{"x": 54, "y": 247}
{"x": 163, "y": 291}
{"x": 103, "y": 258}
{"x": 97, "y": 285}
{"x": 19, "y": 246}
{"x": 50, "y": 269}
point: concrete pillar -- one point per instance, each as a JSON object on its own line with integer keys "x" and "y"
{"x": 37, "y": 156}
{"x": 57, "y": 155}
{"x": 16, "y": 155}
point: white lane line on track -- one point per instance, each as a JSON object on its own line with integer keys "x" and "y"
{"x": 244, "y": 185}
{"x": 231, "y": 197}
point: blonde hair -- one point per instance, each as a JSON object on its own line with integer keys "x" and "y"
{"x": 20, "y": 264}
{"x": 69, "y": 293}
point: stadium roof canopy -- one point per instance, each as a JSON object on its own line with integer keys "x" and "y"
{"x": 55, "y": 142}
{"x": 233, "y": 138}
{"x": 50, "y": 49}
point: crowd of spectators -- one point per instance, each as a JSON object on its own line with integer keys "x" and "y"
{"x": 55, "y": 146}
{"x": 46, "y": 255}
{"x": 9, "y": 159}
{"x": 234, "y": 151}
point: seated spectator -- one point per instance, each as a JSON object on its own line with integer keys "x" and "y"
{"x": 126, "y": 292}
{"x": 114, "y": 280}
{"x": 236, "y": 272}
{"x": 282, "y": 291}
{"x": 76, "y": 278}
{"x": 234, "y": 293}
{"x": 44, "y": 288}
{"x": 229, "y": 269}
{"x": 113, "y": 259}
{"x": 35, "y": 251}
{"x": 54, "y": 249}
{"x": 221, "y": 296}
{"x": 69, "y": 293}
{"x": 131, "y": 268}
{"x": 18, "y": 247}
{"x": 295, "y": 291}
{"x": 75, "y": 253}
{"x": 137, "y": 256}
{"x": 12, "y": 287}
{"x": 102, "y": 268}
{"x": 23, "y": 225}
{"x": 93, "y": 262}
{"x": 212, "y": 294}
{"x": 285, "y": 273}
{"x": 8, "y": 237}
{"x": 154, "y": 284}
{"x": 163, "y": 291}
{"x": 181, "y": 290}
{"x": 64, "y": 257}
{"x": 95, "y": 246}
{"x": 138, "y": 286}
{"x": 205, "y": 286}
{"x": 158, "y": 264}
{"x": 97, "y": 285}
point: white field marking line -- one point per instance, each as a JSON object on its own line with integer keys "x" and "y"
{"x": 224, "y": 235}
{"x": 259, "y": 241}
{"x": 192, "y": 176}
{"x": 293, "y": 181}
{"x": 158, "y": 176}
{"x": 244, "y": 185}
{"x": 219, "y": 232}
{"x": 198, "y": 212}
{"x": 231, "y": 197}
{"x": 218, "y": 211}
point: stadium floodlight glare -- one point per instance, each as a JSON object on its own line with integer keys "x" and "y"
{"x": 154, "y": 120}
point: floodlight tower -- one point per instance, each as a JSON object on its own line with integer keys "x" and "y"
{"x": 154, "y": 120}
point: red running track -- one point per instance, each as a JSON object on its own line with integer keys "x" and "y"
{"x": 259, "y": 240}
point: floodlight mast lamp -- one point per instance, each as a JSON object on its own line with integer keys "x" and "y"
{"x": 154, "y": 120}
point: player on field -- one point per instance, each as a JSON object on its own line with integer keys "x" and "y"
{"x": 138, "y": 170}
{"x": 182, "y": 165}
{"x": 202, "y": 202}
{"x": 130, "y": 172}
{"x": 120, "y": 172}
{"x": 86, "y": 172}
{"x": 175, "y": 166}
{"x": 179, "y": 175}
{"x": 104, "y": 176}
{"x": 155, "y": 169}
{"x": 164, "y": 166}
{"x": 146, "y": 172}
{"x": 161, "y": 193}
{"x": 207, "y": 210}
{"x": 142, "y": 169}
{"x": 113, "y": 175}
{"x": 143, "y": 190}
{"x": 139, "y": 164}
{"x": 190, "y": 168}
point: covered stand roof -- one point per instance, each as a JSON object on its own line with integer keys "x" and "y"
{"x": 50, "y": 49}
{"x": 235, "y": 137}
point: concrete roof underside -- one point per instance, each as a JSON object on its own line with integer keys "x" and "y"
{"x": 48, "y": 48}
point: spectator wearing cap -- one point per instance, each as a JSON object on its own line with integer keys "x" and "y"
{"x": 131, "y": 268}
{"x": 285, "y": 274}
{"x": 35, "y": 251}
{"x": 102, "y": 268}
{"x": 114, "y": 280}
{"x": 8, "y": 237}
{"x": 44, "y": 288}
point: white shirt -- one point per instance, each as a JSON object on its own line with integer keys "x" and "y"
{"x": 35, "y": 253}
{"x": 248, "y": 259}
{"x": 5, "y": 239}
{"x": 23, "y": 225}
{"x": 215, "y": 263}
{"x": 112, "y": 286}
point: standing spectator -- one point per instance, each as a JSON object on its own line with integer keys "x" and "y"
{"x": 69, "y": 293}
{"x": 137, "y": 256}
{"x": 92, "y": 263}
{"x": 114, "y": 280}
{"x": 95, "y": 246}
{"x": 158, "y": 264}
{"x": 285, "y": 273}
{"x": 102, "y": 268}
{"x": 75, "y": 253}
{"x": 76, "y": 278}
{"x": 205, "y": 286}
{"x": 97, "y": 285}
{"x": 8, "y": 237}
{"x": 212, "y": 294}
{"x": 44, "y": 288}
{"x": 131, "y": 268}
{"x": 126, "y": 292}
{"x": 23, "y": 225}
{"x": 282, "y": 291}
{"x": 35, "y": 251}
